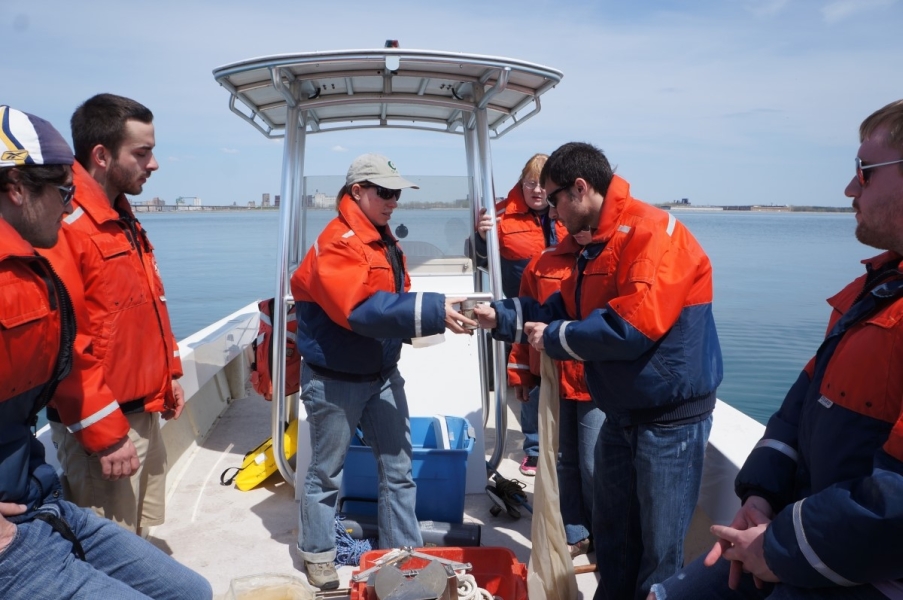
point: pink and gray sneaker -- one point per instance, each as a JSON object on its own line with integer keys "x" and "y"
{"x": 528, "y": 466}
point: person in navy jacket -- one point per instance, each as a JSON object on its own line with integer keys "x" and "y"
{"x": 637, "y": 311}
{"x": 822, "y": 491}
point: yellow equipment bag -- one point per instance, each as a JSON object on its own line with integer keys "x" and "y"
{"x": 260, "y": 463}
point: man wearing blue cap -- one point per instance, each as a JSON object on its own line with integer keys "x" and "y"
{"x": 50, "y": 548}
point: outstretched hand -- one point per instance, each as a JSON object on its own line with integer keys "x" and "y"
{"x": 534, "y": 332}
{"x": 486, "y": 316}
{"x": 454, "y": 320}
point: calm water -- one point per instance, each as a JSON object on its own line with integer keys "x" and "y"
{"x": 773, "y": 272}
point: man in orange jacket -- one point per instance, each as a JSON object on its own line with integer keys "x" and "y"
{"x": 49, "y": 546}
{"x": 111, "y": 451}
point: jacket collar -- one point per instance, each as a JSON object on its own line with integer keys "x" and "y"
{"x": 613, "y": 206}
{"x": 355, "y": 218}
{"x": 13, "y": 244}
{"x": 876, "y": 262}
{"x": 91, "y": 197}
{"x": 516, "y": 204}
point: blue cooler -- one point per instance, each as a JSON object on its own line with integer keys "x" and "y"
{"x": 442, "y": 446}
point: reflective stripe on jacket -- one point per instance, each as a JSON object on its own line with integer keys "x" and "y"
{"x": 351, "y": 318}
{"x": 638, "y": 311}
{"x": 831, "y": 460}
{"x": 127, "y": 317}
{"x": 37, "y": 327}
{"x": 541, "y": 279}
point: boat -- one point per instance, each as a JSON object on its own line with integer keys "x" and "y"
{"x": 226, "y": 534}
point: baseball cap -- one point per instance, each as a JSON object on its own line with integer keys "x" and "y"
{"x": 379, "y": 170}
{"x": 27, "y": 140}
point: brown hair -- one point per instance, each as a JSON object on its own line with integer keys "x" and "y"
{"x": 100, "y": 120}
{"x": 890, "y": 116}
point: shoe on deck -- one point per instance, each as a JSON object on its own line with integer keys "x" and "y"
{"x": 322, "y": 575}
{"x": 528, "y": 466}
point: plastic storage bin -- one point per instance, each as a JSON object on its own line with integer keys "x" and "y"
{"x": 439, "y": 467}
{"x": 495, "y": 569}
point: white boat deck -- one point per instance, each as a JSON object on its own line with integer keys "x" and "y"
{"x": 224, "y": 533}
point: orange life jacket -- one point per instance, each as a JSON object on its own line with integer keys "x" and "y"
{"x": 262, "y": 367}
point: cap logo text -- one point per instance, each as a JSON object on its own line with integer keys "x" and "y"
{"x": 15, "y": 155}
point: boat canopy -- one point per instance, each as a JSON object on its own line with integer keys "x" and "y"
{"x": 478, "y": 97}
{"x": 411, "y": 89}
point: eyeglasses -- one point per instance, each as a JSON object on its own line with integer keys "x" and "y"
{"x": 531, "y": 185}
{"x": 861, "y": 169}
{"x": 66, "y": 193}
{"x": 550, "y": 197}
{"x": 384, "y": 193}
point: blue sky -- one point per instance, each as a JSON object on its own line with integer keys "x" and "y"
{"x": 718, "y": 101}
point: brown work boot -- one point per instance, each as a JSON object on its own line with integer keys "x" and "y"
{"x": 322, "y": 575}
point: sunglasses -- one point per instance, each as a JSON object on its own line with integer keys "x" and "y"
{"x": 66, "y": 193}
{"x": 550, "y": 197}
{"x": 861, "y": 169}
{"x": 384, "y": 193}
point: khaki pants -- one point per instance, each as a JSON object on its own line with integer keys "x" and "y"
{"x": 136, "y": 503}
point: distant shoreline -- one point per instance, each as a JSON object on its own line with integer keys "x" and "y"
{"x": 139, "y": 208}
{"x": 755, "y": 208}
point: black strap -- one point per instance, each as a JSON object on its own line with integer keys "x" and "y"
{"x": 394, "y": 254}
{"x": 62, "y": 527}
{"x": 224, "y": 481}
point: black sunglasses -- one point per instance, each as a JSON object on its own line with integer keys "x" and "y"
{"x": 384, "y": 193}
{"x": 861, "y": 170}
{"x": 550, "y": 197}
{"x": 66, "y": 193}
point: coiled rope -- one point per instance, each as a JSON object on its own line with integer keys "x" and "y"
{"x": 348, "y": 551}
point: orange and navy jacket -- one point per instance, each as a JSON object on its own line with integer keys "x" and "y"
{"x": 126, "y": 318}
{"x": 353, "y": 306}
{"x": 637, "y": 309}
{"x": 831, "y": 460}
{"x": 37, "y": 327}
{"x": 541, "y": 279}
{"x": 523, "y": 233}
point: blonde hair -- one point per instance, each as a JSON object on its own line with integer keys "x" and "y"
{"x": 533, "y": 167}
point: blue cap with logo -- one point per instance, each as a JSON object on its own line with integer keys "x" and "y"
{"x": 27, "y": 140}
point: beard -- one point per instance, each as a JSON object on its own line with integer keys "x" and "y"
{"x": 124, "y": 180}
{"x": 881, "y": 229}
{"x": 38, "y": 225}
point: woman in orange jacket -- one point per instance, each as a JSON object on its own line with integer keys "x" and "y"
{"x": 354, "y": 308}
{"x": 524, "y": 229}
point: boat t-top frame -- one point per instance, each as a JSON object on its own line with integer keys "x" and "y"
{"x": 292, "y": 95}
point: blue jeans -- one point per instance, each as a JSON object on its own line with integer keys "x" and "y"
{"x": 529, "y": 423}
{"x": 578, "y": 425}
{"x": 646, "y": 486}
{"x": 698, "y": 582}
{"x": 40, "y": 564}
{"x": 334, "y": 410}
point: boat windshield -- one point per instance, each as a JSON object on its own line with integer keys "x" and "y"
{"x": 432, "y": 222}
